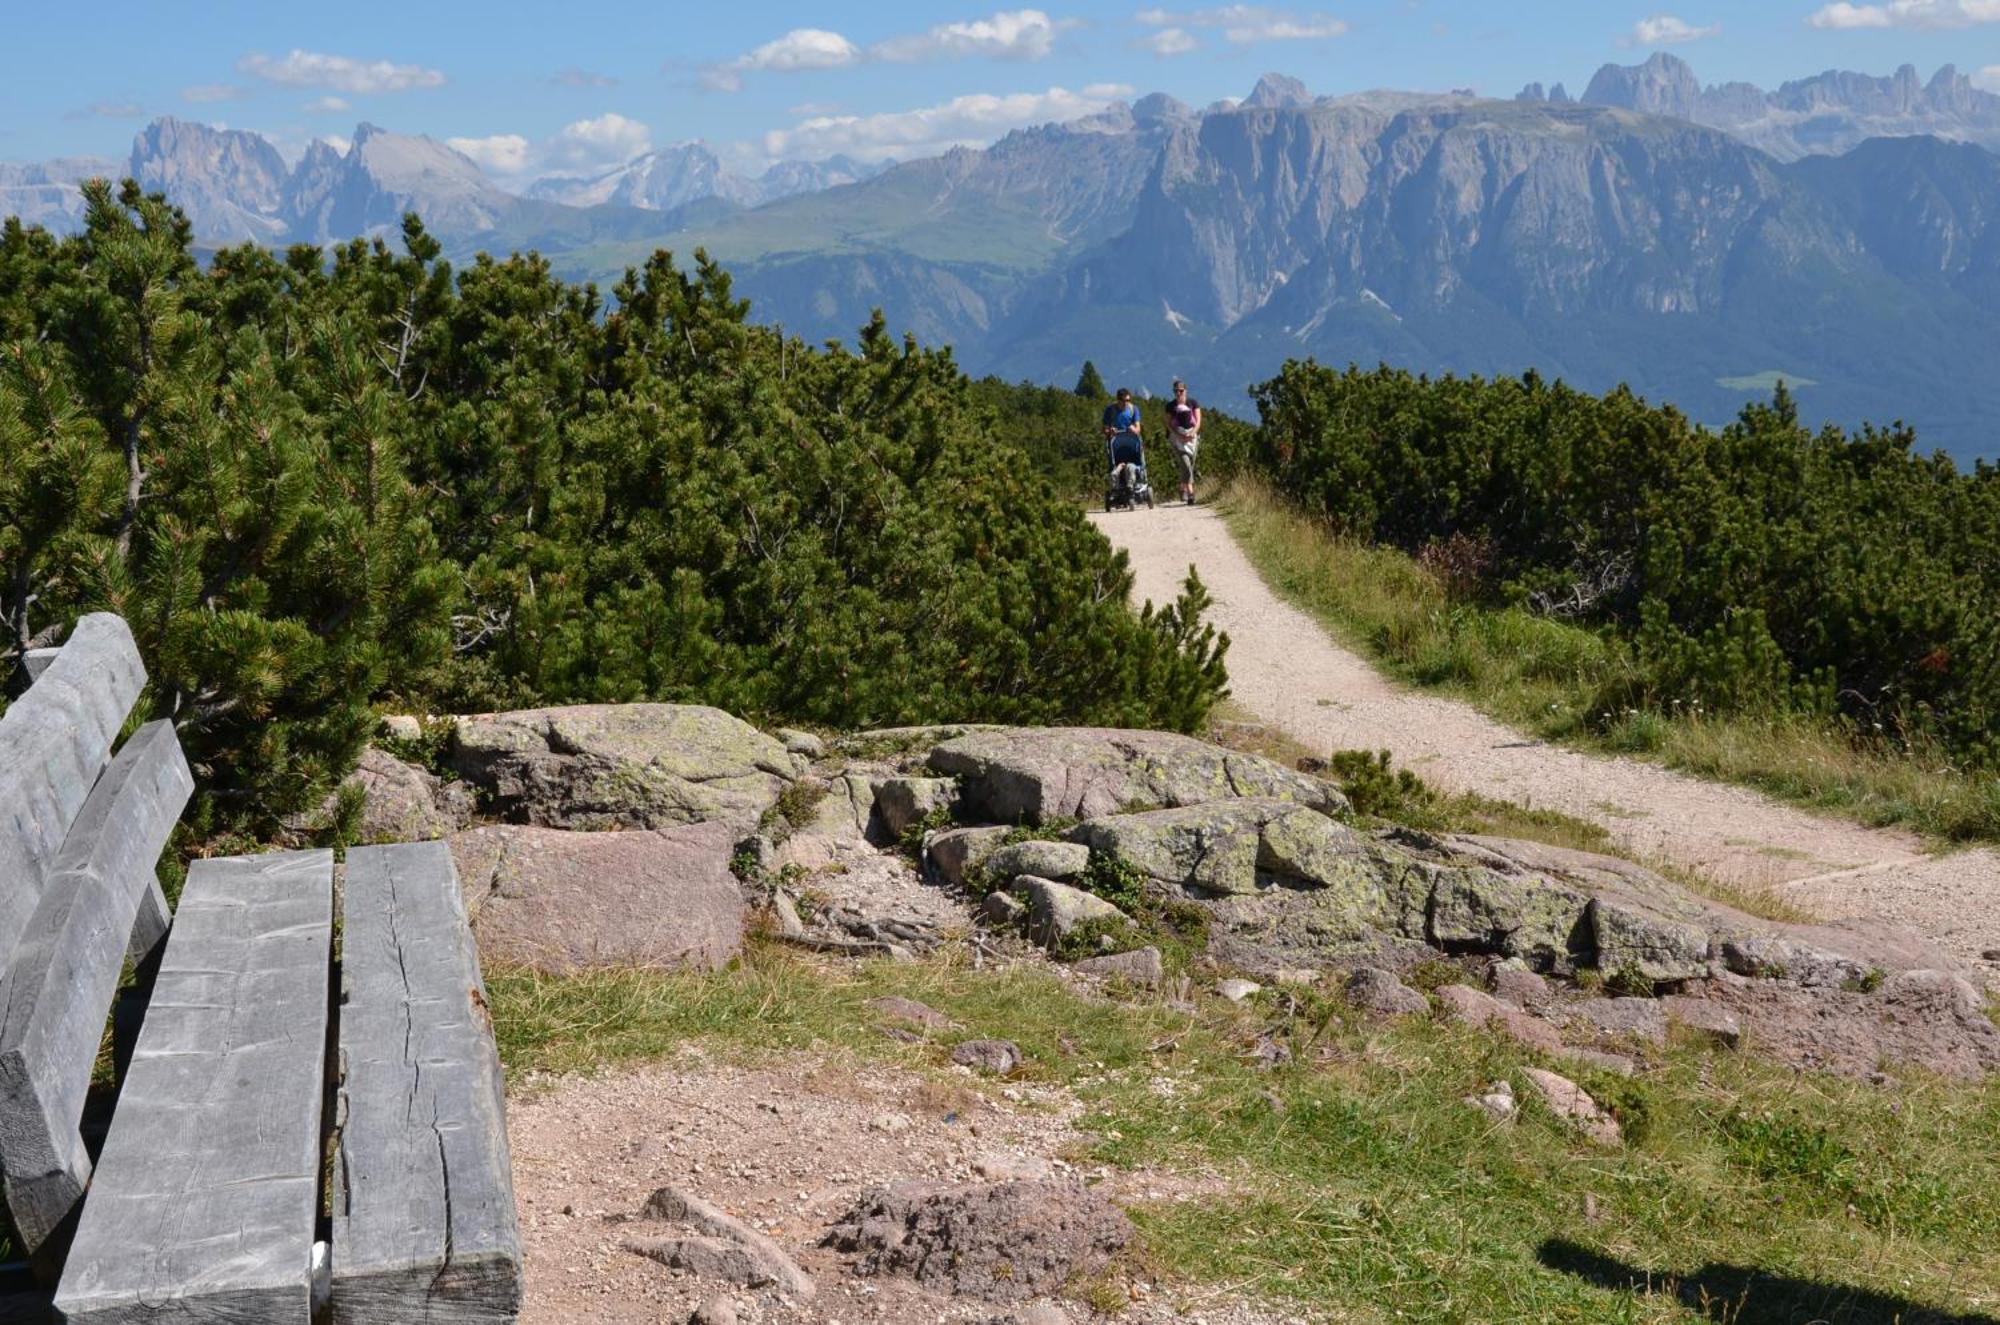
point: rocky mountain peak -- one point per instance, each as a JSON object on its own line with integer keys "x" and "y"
{"x": 1159, "y": 106}
{"x": 1278, "y": 92}
{"x": 1663, "y": 85}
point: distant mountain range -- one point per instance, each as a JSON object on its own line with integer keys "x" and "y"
{"x": 1696, "y": 242}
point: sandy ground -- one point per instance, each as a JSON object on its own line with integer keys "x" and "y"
{"x": 1290, "y": 673}
{"x": 788, "y": 1147}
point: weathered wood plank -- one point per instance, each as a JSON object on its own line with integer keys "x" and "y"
{"x": 423, "y": 1207}
{"x": 102, "y": 889}
{"x": 204, "y": 1200}
{"x": 54, "y": 741}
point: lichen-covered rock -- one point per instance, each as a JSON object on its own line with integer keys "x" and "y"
{"x": 954, "y": 854}
{"x": 1061, "y": 861}
{"x": 1768, "y": 957}
{"x": 905, "y": 801}
{"x": 604, "y": 766}
{"x": 1055, "y": 910}
{"x": 1033, "y": 775}
{"x": 1229, "y": 846}
{"x": 1624, "y": 1018}
{"x": 1533, "y": 918}
{"x": 566, "y": 901}
{"x": 1629, "y": 938}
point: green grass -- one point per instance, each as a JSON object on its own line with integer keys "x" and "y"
{"x": 1540, "y": 675}
{"x": 1357, "y": 1185}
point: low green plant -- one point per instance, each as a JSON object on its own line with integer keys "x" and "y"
{"x": 429, "y": 749}
{"x": 1867, "y": 982}
{"x": 793, "y": 810}
{"x": 1628, "y": 981}
{"x": 1379, "y": 790}
{"x": 911, "y": 843}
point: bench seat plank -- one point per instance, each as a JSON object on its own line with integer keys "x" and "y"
{"x": 103, "y": 890}
{"x": 424, "y": 1227}
{"x": 205, "y": 1198}
{"x": 54, "y": 742}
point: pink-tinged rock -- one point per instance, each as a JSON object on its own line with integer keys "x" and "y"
{"x": 1570, "y": 1102}
{"x": 562, "y": 902}
{"x": 1471, "y": 1007}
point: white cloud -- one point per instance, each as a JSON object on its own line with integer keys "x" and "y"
{"x": 337, "y": 142}
{"x": 1017, "y": 34}
{"x": 339, "y": 73}
{"x": 583, "y": 147}
{"x": 801, "y": 48}
{"x": 1909, "y": 14}
{"x": 501, "y": 153}
{"x": 327, "y": 105}
{"x": 1244, "y": 25}
{"x": 1669, "y": 30}
{"x": 608, "y": 140}
{"x": 1109, "y": 91}
{"x": 207, "y": 92}
{"x": 965, "y": 121}
{"x": 1988, "y": 78}
{"x": 1169, "y": 41}
{"x": 108, "y": 110}
{"x": 574, "y": 77}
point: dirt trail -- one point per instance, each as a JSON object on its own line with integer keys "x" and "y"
{"x": 1290, "y": 673}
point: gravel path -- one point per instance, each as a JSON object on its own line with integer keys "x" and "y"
{"x": 1290, "y": 673}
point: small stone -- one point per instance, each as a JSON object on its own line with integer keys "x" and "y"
{"x": 801, "y": 742}
{"x": 1004, "y": 910}
{"x": 1013, "y": 1168}
{"x": 1633, "y": 1018}
{"x": 1711, "y": 1019}
{"x": 1064, "y": 862}
{"x": 1497, "y": 1100}
{"x": 1472, "y": 1007}
{"x": 714, "y": 1311}
{"x": 1141, "y": 966}
{"x": 1295, "y": 977}
{"x": 1603, "y": 1062}
{"x": 785, "y": 915}
{"x": 402, "y": 727}
{"x": 1383, "y": 994}
{"x": 1514, "y": 983}
{"x": 890, "y": 1124}
{"x": 1236, "y": 990}
{"x": 1990, "y": 955}
{"x": 1056, "y": 909}
{"x": 909, "y": 1010}
{"x": 1573, "y": 1104}
{"x": 1000, "y": 1057}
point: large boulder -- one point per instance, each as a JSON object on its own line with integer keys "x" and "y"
{"x": 604, "y": 766}
{"x": 567, "y": 901}
{"x": 1231, "y": 846}
{"x": 1033, "y": 775}
{"x": 1064, "y": 862}
{"x": 1535, "y": 918}
{"x": 958, "y": 855}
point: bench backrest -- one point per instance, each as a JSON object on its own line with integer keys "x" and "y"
{"x": 80, "y": 840}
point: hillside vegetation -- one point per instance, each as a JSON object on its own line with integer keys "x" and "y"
{"x": 1632, "y": 573}
{"x": 319, "y": 482}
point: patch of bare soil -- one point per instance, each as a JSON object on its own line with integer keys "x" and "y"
{"x": 790, "y": 1149}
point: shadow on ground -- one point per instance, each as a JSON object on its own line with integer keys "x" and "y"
{"x": 1739, "y": 1295}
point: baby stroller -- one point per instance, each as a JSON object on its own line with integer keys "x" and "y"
{"x": 1128, "y": 486}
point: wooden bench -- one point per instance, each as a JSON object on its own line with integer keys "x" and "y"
{"x": 296, "y": 1136}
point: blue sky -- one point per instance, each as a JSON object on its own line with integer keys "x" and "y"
{"x": 534, "y": 88}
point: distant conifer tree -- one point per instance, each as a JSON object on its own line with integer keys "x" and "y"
{"x": 1091, "y": 383}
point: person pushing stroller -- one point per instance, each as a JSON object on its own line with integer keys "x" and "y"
{"x": 1121, "y": 433}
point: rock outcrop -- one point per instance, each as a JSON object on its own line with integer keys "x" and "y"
{"x": 1035, "y": 774}
{"x": 597, "y": 767}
